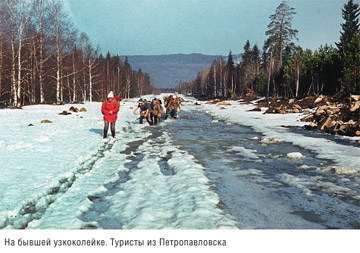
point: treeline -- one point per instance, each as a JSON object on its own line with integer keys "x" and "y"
{"x": 44, "y": 58}
{"x": 282, "y": 68}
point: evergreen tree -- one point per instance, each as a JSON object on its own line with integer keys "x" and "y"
{"x": 350, "y": 14}
{"x": 230, "y": 62}
{"x": 246, "y": 57}
{"x": 350, "y": 80}
{"x": 279, "y": 30}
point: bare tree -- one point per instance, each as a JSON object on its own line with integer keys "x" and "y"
{"x": 63, "y": 34}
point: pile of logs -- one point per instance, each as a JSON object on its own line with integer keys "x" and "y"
{"x": 339, "y": 117}
{"x": 284, "y": 105}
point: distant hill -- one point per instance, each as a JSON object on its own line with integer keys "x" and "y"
{"x": 167, "y": 71}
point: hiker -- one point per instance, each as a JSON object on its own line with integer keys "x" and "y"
{"x": 157, "y": 111}
{"x": 144, "y": 111}
{"x": 109, "y": 109}
{"x": 170, "y": 107}
{"x": 177, "y": 102}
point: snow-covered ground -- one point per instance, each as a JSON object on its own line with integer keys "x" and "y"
{"x": 275, "y": 126}
{"x": 52, "y": 171}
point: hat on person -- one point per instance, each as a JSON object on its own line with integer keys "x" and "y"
{"x": 110, "y": 95}
{"x": 140, "y": 100}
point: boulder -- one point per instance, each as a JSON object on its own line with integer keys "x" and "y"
{"x": 30, "y": 125}
{"x": 73, "y": 109}
{"x": 46, "y": 121}
{"x": 83, "y": 109}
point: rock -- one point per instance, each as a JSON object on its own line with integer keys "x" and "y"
{"x": 295, "y": 156}
{"x": 30, "y": 125}
{"x": 215, "y": 121}
{"x": 46, "y": 121}
{"x": 73, "y": 109}
{"x": 64, "y": 113}
{"x": 196, "y": 103}
{"x": 83, "y": 109}
{"x": 296, "y": 111}
{"x": 291, "y": 101}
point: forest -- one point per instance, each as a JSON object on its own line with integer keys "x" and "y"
{"x": 45, "y": 59}
{"x": 282, "y": 68}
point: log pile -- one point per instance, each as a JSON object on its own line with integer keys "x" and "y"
{"x": 336, "y": 116}
{"x": 284, "y": 105}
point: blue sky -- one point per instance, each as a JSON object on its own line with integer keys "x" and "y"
{"x": 152, "y": 27}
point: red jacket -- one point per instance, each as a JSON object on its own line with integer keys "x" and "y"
{"x": 110, "y": 110}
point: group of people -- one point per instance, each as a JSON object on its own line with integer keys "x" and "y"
{"x": 152, "y": 111}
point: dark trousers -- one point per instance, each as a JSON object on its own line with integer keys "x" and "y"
{"x": 106, "y": 128}
{"x": 154, "y": 118}
{"x": 147, "y": 119}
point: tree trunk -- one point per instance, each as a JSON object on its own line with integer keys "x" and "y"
{"x": 269, "y": 76}
{"x": 41, "y": 48}
{"x": 90, "y": 80}
{"x": 74, "y": 76}
{"x": 13, "y": 65}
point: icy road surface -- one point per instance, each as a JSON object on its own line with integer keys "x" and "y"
{"x": 205, "y": 170}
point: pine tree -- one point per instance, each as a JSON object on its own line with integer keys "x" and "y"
{"x": 350, "y": 81}
{"x": 350, "y": 14}
{"x": 280, "y": 32}
{"x": 246, "y": 57}
{"x": 230, "y": 62}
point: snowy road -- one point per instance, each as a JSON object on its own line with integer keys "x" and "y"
{"x": 202, "y": 171}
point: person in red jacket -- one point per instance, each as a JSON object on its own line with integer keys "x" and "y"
{"x": 109, "y": 109}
